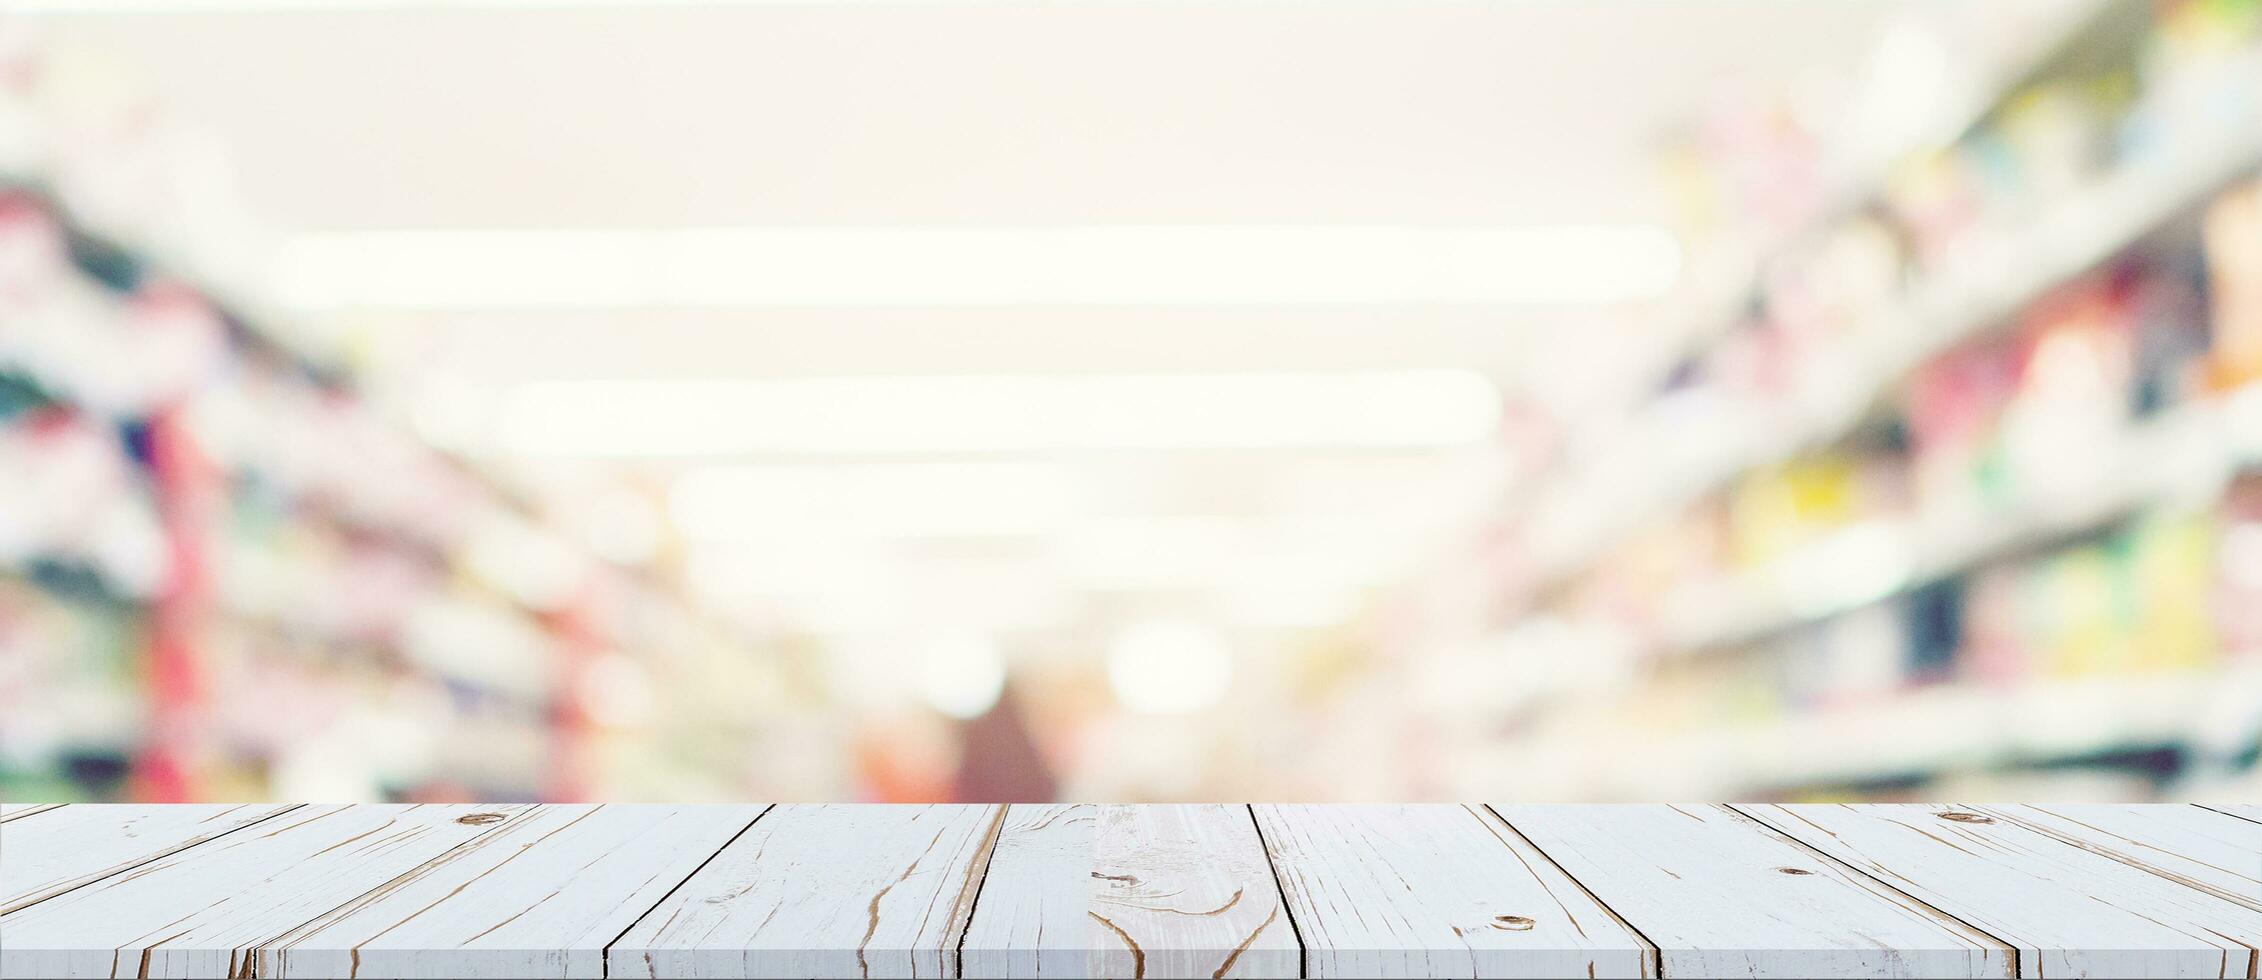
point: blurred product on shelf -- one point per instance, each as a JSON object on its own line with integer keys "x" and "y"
{"x": 1973, "y": 459}
{"x": 225, "y": 575}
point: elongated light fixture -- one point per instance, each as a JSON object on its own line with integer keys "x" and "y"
{"x": 977, "y": 414}
{"x": 726, "y": 268}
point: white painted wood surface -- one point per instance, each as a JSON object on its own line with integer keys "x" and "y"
{"x": 50, "y": 851}
{"x": 1438, "y": 890}
{"x": 2213, "y": 852}
{"x": 199, "y": 911}
{"x": 11, "y": 811}
{"x": 540, "y": 896}
{"x": 2243, "y": 811}
{"x": 1032, "y": 916}
{"x": 1720, "y": 895}
{"x": 1130, "y": 891}
{"x": 2071, "y": 912}
{"x": 823, "y": 891}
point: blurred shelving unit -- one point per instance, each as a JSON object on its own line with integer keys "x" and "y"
{"x": 1729, "y": 278}
{"x": 2000, "y": 272}
{"x": 1949, "y": 480}
{"x": 225, "y": 573}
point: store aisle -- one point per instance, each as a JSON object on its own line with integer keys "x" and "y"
{"x": 1004, "y": 401}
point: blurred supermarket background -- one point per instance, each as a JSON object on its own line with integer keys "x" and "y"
{"x": 1123, "y": 400}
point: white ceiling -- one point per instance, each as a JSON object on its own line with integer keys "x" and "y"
{"x": 1225, "y": 112}
{"x": 996, "y": 113}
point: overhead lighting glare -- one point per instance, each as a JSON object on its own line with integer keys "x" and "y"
{"x": 726, "y": 268}
{"x": 864, "y": 416}
{"x": 1169, "y": 667}
{"x": 961, "y": 676}
{"x": 868, "y": 501}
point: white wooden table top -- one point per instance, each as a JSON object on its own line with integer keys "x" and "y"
{"x": 275, "y": 890}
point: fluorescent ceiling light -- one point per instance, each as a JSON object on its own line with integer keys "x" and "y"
{"x": 1151, "y": 551}
{"x": 897, "y": 267}
{"x": 862, "y": 501}
{"x": 997, "y": 414}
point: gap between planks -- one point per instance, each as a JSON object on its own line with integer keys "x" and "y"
{"x": 1288, "y": 910}
{"x": 606, "y": 956}
{"x": 2016, "y": 968}
{"x": 2249, "y": 812}
{"x": 2037, "y": 878}
{"x": 126, "y": 866}
{"x": 18, "y": 811}
{"x": 1656, "y": 957}
{"x": 981, "y": 880}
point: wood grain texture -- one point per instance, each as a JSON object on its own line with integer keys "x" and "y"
{"x": 823, "y": 891}
{"x": 2071, "y": 912}
{"x": 2243, "y": 811}
{"x": 1721, "y": 895}
{"x": 199, "y": 912}
{"x": 541, "y": 896}
{"x": 1032, "y": 918}
{"x": 14, "y": 811}
{"x": 53, "y": 851}
{"x": 1437, "y": 891}
{"x": 2213, "y": 852}
{"x": 1130, "y": 891}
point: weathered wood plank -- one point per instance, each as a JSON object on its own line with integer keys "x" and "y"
{"x": 2213, "y": 852}
{"x": 822, "y": 891}
{"x": 2116, "y": 890}
{"x": 1437, "y": 891}
{"x": 1032, "y": 916}
{"x": 541, "y": 896}
{"x": 1721, "y": 895}
{"x": 2071, "y": 912}
{"x": 65, "y": 848}
{"x": 198, "y": 912}
{"x": 14, "y": 811}
{"x": 2243, "y": 811}
{"x": 1130, "y": 891}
